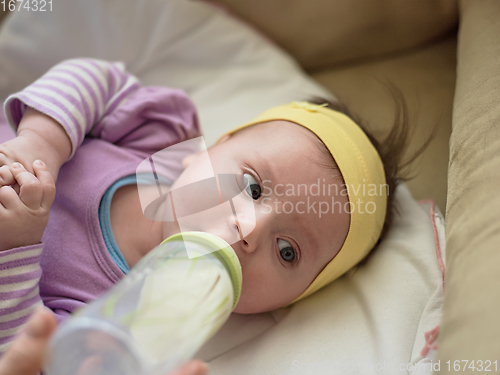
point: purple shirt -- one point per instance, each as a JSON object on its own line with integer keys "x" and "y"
{"x": 114, "y": 123}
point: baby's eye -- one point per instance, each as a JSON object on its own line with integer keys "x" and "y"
{"x": 286, "y": 250}
{"x": 251, "y": 186}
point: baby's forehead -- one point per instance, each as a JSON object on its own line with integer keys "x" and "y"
{"x": 293, "y": 141}
{"x": 292, "y": 147}
{"x": 283, "y": 128}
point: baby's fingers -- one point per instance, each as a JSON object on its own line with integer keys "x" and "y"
{"x": 34, "y": 191}
{"x": 8, "y": 198}
{"x": 30, "y": 187}
{"x": 48, "y": 184}
{"x": 6, "y": 177}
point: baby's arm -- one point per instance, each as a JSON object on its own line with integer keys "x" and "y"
{"x": 86, "y": 96}
{"x": 53, "y": 115}
{"x": 60, "y": 108}
{"x": 76, "y": 93}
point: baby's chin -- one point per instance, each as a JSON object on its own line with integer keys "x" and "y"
{"x": 246, "y": 306}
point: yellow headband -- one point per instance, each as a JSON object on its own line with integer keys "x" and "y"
{"x": 362, "y": 170}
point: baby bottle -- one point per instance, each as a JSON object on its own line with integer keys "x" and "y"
{"x": 156, "y": 317}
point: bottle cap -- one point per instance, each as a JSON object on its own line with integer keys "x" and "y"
{"x": 222, "y": 250}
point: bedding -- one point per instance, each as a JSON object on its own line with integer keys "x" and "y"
{"x": 376, "y": 313}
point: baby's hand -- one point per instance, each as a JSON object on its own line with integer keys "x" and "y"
{"x": 27, "y": 147}
{"x": 23, "y": 217}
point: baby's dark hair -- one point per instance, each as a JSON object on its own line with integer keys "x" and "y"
{"x": 391, "y": 149}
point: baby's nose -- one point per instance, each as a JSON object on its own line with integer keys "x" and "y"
{"x": 252, "y": 232}
{"x": 245, "y": 223}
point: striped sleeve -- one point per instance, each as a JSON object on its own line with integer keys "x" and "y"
{"x": 20, "y": 274}
{"x": 77, "y": 93}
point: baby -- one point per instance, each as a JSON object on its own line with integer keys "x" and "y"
{"x": 321, "y": 189}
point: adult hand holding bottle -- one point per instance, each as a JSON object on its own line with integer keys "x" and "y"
{"x": 25, "y": 355}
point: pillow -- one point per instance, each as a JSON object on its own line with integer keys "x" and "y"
{"x": 233, "y": 74}
{"x": 321, "y": 33}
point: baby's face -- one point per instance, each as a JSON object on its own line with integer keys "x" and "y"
{"x": 292, "y": 240}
